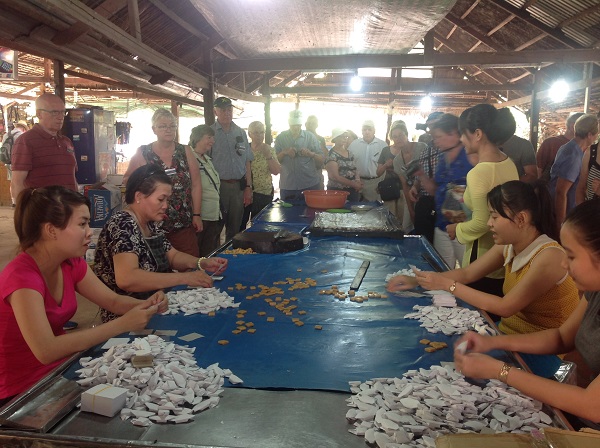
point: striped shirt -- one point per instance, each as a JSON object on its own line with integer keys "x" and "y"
{"x": 593, "y": 173}
{"x": 49, "y": 159}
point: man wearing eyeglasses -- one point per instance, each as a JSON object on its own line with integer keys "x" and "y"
{"x": 42, "y": 156}
{"x": 231, "y": 158}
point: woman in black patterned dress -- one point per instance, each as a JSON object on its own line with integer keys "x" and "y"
{"x": 133, "y": 256}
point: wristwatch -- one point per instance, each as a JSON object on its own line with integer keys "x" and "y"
{"x": 452, "y": 287}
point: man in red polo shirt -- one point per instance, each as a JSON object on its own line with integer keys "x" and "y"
{"x": 42, "y": 156}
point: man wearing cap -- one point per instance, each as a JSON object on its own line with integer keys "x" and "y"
{"x": 301, "y": 159}
{"x": 18, "y": 129}
{"x": 43, "y": 156}
{"x": 366, "y": 152}
{"x": 231, "y": 158}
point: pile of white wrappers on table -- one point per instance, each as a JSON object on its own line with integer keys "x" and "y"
{"x": 171, "y": 391}
{"x": 443, "y": 315}
{"x": 199, "y": 300}
{"x": 414, "y": 410}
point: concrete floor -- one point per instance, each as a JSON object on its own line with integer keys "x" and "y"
{"x": 87, "y": 313}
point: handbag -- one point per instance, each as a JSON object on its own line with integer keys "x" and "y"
{"x": 425, "y": 214}
{"x": 390, "y": 188}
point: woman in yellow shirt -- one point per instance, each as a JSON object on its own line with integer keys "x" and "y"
{"x": 483, "y": 129}
{"x": 538, "y": 293}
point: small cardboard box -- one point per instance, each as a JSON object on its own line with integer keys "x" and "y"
{"x": 104, "y": 399}
{"x": 550, "y": 437}
{"x": 105, "y": 199}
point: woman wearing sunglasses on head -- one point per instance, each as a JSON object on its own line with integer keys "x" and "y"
{"x": 133, "y": 255}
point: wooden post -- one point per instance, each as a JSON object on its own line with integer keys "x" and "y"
{"x": 59, "y": 79}
{"x": 266, "y": 92}
{"x": 208, "y": 94}
{"x": 175, "y": 111}
{"x": 390, "y": 110}
{"x": 588, "y": 69}
{"x": 534, "y": 112}
{"x": 209, "y": 104}
{"x": 133, "y": 12}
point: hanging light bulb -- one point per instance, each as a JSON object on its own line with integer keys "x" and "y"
{"x": 356, "y": 83}
{"x": 426, "y": 104}
{"x": 559, "y": 90}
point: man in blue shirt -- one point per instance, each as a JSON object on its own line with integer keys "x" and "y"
{"x": 564, "y": 174}
{"x": 301, "y": 159}
{"x": 231, "y": 157}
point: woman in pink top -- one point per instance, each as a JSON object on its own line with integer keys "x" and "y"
{"x": 37, "y": 290}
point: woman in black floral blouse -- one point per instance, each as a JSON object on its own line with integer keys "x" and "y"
{"x": 133, "y": 257}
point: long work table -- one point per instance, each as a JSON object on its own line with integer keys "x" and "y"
{"x": 295, "y": 376}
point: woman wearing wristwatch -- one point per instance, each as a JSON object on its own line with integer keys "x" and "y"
{"x": 538, "y": 291}
{"x": 133, "y": 256}
{"x": 579, "y": 335}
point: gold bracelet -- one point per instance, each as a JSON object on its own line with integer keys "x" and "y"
{"x": 199, "y": 264}
{"x": 503, "y": 374}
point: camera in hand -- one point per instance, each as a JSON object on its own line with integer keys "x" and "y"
{"x": 421, "y": 127}
{"x": 239, "y": 145}
{"x": 412, "y": 167}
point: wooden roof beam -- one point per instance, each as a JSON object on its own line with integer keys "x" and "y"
{"x": 472, "y": 76}
{"x": 405, "y": 85}
{"x": 288, "y": 79}
{"x": 106, "y": 9}
{"x": 252, "y": 86}
{"x": 32, "y": 46}
{"x": 556, "y": 34}
{"x": 530, "y": 42}
{"x": 354, "y": 61}
{"x": 544, "y": 94}
{"x": 81, "y": 12}
{"x": 486, "y": 39}
{"x": 133, "y": 13}
{"x": 501, "y": 25}
{"x": 213, "y": 41}
{"x": 471, "y": 8}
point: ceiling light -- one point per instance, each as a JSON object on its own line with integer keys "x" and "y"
{"x": 426, "y": 104}
{"x": 355, "y": 83}
{"x": 559, "y": 90}
{"x": 320, "y": 75}
{"x": 292, "y": 83}
{"x": 375, "y": 72}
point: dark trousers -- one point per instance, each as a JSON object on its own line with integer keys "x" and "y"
{"x": 232, "y": 199}
{"x": 425, "y": 217}
{"x": 259, "y": 201}
{"x": 209, "y": 238}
